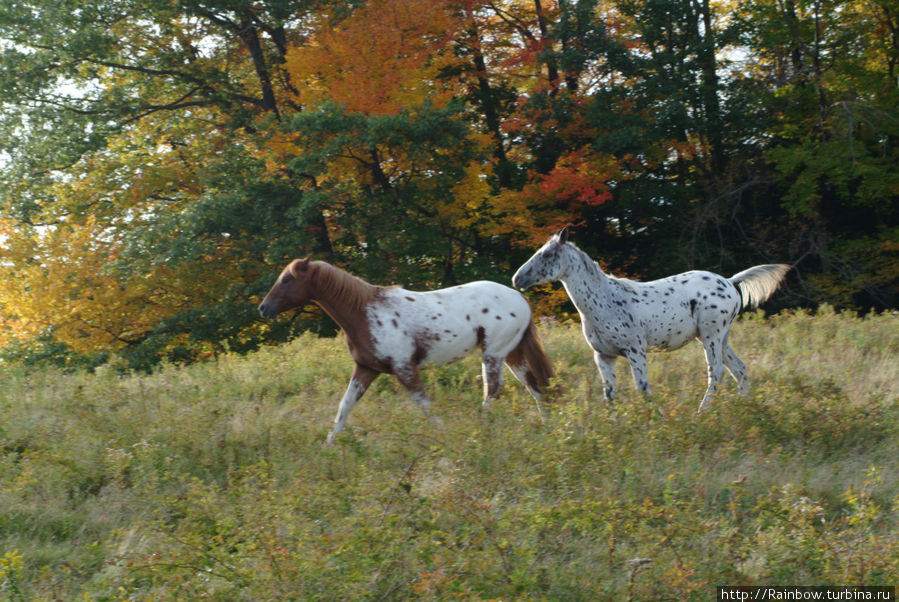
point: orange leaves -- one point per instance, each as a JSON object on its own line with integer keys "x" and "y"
{"x": 278, "y": 149}
{"x": 387, "y": 55}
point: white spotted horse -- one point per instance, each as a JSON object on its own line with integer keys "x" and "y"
{"x": 397, "y": 331}
{"x": 623, "y": 317}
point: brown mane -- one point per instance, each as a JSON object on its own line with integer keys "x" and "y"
{"x": 349, "y": 291}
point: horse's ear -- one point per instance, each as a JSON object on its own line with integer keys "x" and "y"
{"x": 298, "y": 267}
{"x": 562, "y": 234}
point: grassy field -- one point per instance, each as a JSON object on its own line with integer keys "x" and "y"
{"x": 212, "y": 482}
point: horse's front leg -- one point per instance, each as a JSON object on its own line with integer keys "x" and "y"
{"x": 359, "y": 382}
{"x": 606, "y": 365}
{"x": 636, "y": 357}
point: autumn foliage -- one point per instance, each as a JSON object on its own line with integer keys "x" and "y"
{"x": 386, "y": 56}
{"x": 163, "y": 161}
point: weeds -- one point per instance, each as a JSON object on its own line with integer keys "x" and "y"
{"x": 212, "y": 481}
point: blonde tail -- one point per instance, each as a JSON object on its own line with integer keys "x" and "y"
{"x": 758, "y": 283}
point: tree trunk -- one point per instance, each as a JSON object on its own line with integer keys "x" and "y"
{"x": 250, "y": 36}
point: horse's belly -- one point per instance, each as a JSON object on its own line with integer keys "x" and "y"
{"x": 669, "y": 343}
{"x": 672, "y": 333}
{"x": 447, "y": 349}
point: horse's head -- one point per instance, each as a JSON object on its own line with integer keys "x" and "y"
{"x": 546, "y": 265}
{"x": 291, "y": 289}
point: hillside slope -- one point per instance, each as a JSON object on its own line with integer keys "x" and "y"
{"x": 211, "y": 481}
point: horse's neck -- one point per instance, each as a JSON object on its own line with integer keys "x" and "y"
{"x": 343, "y": 296}
{"x": 584, "y": 277}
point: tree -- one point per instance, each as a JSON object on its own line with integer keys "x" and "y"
{"x": 832, "y": 147}
{"x": 169, "y": 157}
{"x": 127, "y": 128}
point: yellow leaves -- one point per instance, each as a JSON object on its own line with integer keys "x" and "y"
{"x": 470, "y": 197}
{"x": 63, "y": 281}
{"x": 387, "y": 55}
{"x": 70, "y": 285}
{"x": 279, "y": 148}
{"x": 16, "y": 250}
{"x": 549, "y": 301}
{"x": 11, "y": 564}
{"x": 64, "y": 276}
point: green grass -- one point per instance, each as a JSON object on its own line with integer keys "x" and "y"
{"x": 212, "y": 481}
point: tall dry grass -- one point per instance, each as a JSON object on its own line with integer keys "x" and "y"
{"x": 211, "y": 481}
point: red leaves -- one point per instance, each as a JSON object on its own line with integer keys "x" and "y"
{"x": 580, "y": 179}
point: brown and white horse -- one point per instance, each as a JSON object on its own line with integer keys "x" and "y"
{"x": 396, "y": 331}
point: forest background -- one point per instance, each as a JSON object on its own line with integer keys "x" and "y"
{"x": 161, "y": 160}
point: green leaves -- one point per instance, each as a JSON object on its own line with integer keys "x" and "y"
{"x": 387, "y": 182}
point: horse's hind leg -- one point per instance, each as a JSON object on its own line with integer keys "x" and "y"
{"x": 522, "y": 372}
{"x": 713, "y": 357}
{"x": 519, "y": 367}
{"x": 492, "y": 372}
{"x": 410, "y": 379}
{"x": 736, "y": 367}
{"x": 524, "y": 375}
{"x": 359, "y": 382}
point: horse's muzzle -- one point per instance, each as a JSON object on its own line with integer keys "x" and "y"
{"x": 267, "y": 311}
{"x": 520, "y": 281}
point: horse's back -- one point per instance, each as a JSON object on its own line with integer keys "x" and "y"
{"x": 678, "y": 308}
{"x": 696, "y": 285}
{"x": 496, "y": 314}
{"x": 441, "y": 326}
{"x": 483, "y": 292}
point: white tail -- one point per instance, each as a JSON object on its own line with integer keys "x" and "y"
{"x": 758, "y": 283}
